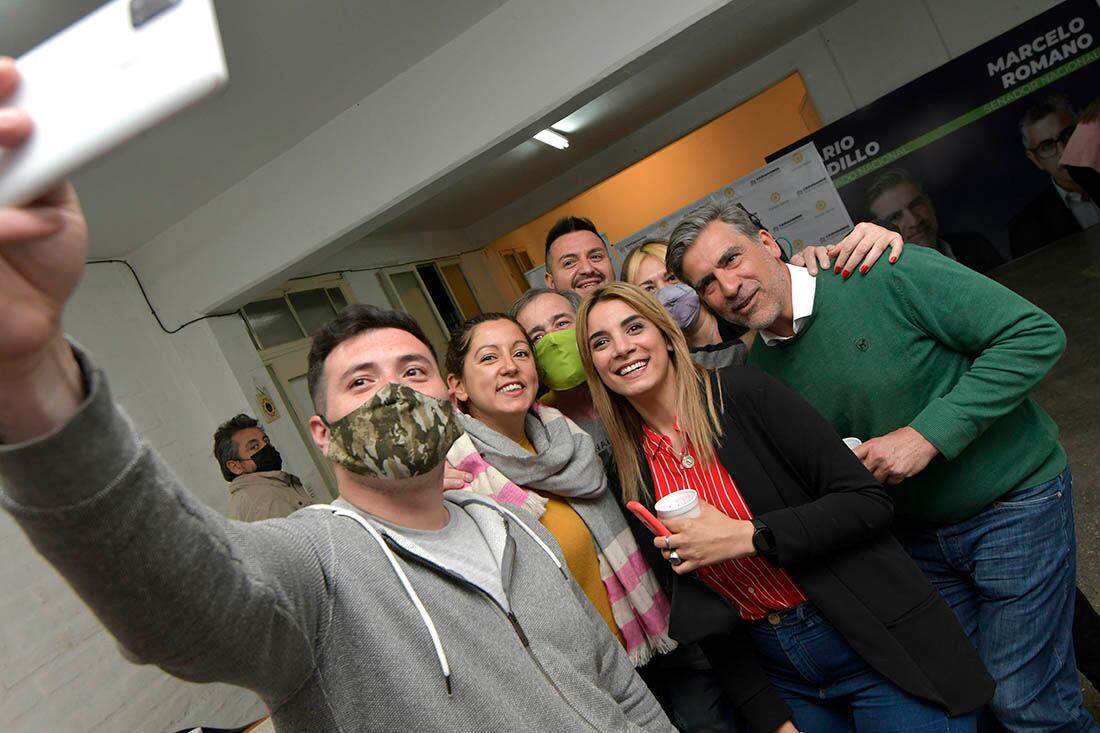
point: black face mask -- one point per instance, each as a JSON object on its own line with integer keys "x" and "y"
{"x": 267, "y": 459}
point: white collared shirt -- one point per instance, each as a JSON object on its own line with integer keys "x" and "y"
{"x": 803, "y": 288}
{"x": 1084, "y": 210}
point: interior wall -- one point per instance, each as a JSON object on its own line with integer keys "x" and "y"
{"x": 708, "y": 158}
{"x": 61, "y": 670}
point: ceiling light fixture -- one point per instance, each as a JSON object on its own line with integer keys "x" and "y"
{"x": 553, "y": 139}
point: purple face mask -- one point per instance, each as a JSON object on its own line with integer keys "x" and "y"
{"x": 682, "y": 303}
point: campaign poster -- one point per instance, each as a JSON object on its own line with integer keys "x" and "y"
{"x": 792, "y": 196}
{"x": 966, "y": 157}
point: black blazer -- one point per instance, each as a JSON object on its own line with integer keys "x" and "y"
{"x": 1046, "y": 219}
{"x": 831, "y": 524}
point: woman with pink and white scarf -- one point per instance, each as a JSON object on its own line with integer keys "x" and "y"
{"x": 530, "y": 456}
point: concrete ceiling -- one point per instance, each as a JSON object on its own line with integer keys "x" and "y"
{"x": 293, "y": 67}
{"x": 693, "y": 61}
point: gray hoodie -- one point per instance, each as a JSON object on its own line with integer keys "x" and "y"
{"x": 337, "y": 625}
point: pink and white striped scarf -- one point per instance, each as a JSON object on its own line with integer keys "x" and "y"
{"x": 638, "y": 604}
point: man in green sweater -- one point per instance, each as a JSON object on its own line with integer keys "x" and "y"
{"x": 930, "y": 364}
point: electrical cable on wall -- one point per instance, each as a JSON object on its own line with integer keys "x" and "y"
{"x": 149, "y": 303}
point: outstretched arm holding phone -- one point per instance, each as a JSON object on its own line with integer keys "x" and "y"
{"x": 43, "y": 246}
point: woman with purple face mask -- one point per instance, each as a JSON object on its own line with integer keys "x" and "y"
{"x": 714, "y": 342}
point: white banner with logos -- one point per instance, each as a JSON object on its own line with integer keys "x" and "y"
{"x": 793, "y": 196}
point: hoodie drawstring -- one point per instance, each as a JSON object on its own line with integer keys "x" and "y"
{"x": 440, "y": 654}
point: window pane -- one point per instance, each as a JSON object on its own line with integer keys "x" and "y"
{"x": 338, "y": 299}
{"x": 516, "y": 271}
{"x": 439, "y": 295}
{"x": 467, "y": 303}
{"x": 415, "y": 302}
{"x": 313, "y": 309}
{"x": 272, "y": 322}
{"x": 524, "y": 260}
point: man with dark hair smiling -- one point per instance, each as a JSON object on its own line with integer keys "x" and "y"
{"x": 576, "y": 256}
{"x": 394, "y": 608}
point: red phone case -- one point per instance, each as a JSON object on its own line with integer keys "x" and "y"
{"x": 648, "y": 519}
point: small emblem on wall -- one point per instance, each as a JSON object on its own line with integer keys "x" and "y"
{"x": 268, "y": 411}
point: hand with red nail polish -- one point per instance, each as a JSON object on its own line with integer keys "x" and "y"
{"x": 862, "y": 248}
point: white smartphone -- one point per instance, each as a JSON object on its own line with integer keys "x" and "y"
{"x": 117, "y": 72}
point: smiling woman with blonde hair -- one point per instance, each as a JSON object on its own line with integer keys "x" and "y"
{"x": 791, "y": 548}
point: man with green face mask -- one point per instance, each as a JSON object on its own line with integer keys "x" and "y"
{"x": 395, "y": 608}
{"x": 549, "y": 318}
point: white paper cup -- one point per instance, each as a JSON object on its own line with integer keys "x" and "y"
{"x": 853, "y": 443}
{"x": 680, "y": 504}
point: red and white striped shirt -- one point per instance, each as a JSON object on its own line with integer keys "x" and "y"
{"x": 753, "y": 585}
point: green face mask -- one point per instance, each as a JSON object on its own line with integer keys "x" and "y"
{"x": 396, "y": 434}
{"x": 559, "y": 361}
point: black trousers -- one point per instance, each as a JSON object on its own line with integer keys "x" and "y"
{"x": 685, "y": 685}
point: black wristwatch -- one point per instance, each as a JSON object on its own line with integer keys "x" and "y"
{"x": 763, "y": 539}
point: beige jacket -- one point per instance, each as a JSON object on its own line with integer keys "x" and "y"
{"x": 266, "y": 495}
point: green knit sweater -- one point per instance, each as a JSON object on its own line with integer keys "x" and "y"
{"x": 931, "y": 344}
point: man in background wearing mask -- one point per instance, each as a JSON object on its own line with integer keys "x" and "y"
{"x": 549, "y": 317}
{"x": 258, "y": 487}
{"x": 395, "y": 608}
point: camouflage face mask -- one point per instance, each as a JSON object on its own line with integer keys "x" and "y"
{"x": 396, "y": 434}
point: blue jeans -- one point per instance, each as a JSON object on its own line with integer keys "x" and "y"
{"x": 1009, "y": 574}
{"x": 830, "y": 688}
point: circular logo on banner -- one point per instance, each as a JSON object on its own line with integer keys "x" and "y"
{"x": 663, "y": 226}
{"x": 729, "y": 193}
{"x": 821, "y": 205}
{"x": 775, "y": 197}
{"x": 798, "y": 244}
{"x": 797, "y": 157}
